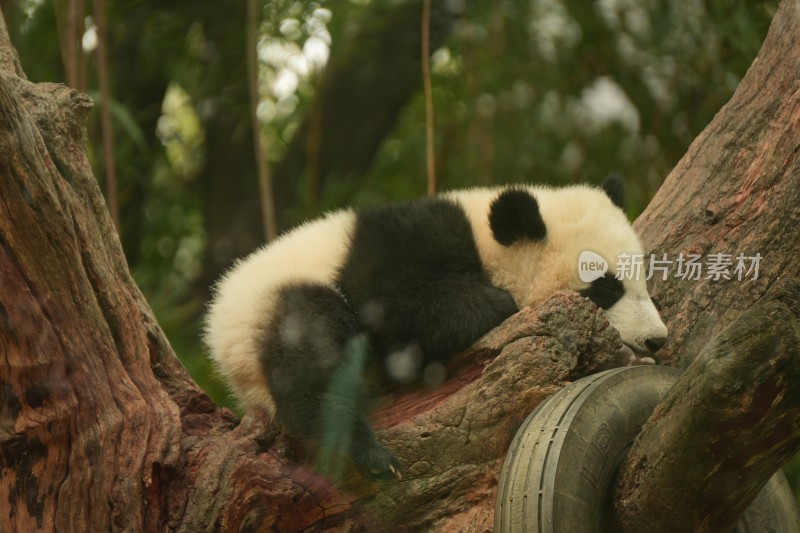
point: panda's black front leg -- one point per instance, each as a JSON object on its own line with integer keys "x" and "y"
{"x": 462, "y": 316}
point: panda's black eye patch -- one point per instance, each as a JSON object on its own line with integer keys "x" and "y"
{"x": 604, "y": 292}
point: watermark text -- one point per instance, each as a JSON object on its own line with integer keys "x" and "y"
{"x": 692, "y": 267}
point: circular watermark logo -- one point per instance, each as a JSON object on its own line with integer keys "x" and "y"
{"x": 591, "y": 266}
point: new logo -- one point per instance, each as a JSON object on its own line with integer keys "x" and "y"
{"x": 591, "y": 266}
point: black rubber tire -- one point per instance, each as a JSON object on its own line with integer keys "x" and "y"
{"x": 561, "y": 465}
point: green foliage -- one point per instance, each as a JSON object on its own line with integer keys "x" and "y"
{"x": 563, "y": 92}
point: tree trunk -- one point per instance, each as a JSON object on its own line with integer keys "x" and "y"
{"x": 88, "y": 417}
{"x": 102, "y": 429}
{"x": 736, "y": 191}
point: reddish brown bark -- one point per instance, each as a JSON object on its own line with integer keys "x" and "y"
{"x": 726, "y": 450}
{"x": 737, "y": 191}
{"x": 86, "y": 376}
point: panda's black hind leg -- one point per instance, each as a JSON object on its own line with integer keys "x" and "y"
{"x": 314, "y": 357}
{"x": 371, "y": 456}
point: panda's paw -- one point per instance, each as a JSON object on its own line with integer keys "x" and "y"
{"x": 394, "y": 470}
{"x": 627, "y": 357}
{"x": 379, "y": 463}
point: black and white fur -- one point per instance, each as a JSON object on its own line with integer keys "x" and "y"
{"x": 417, "y": 282}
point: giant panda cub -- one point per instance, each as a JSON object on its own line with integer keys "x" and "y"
{"x": 409, "y": 284}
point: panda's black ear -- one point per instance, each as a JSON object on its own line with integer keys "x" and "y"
{"x": 614, "y": 187}
{"x": 514, "y": 216}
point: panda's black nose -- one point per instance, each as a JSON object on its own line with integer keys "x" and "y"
{"x": 655, "y": 343}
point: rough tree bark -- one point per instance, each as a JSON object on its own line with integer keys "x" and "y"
{"x": 102, "y": 429}
{"x": 736, "y": 191}
{"x": 748, "y": 427}
{"x": 88, "y": 419}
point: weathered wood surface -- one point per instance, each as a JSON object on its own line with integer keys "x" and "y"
{"x": 736, "y": 191}
{"x": 733, "y": 418}
{"x": 730, "y": 422}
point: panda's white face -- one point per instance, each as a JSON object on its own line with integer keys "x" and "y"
{"x": 637, "y": 320}
{"x": 629, "y": 309}
{"x": 543, "y": 257}
{"x": 594, "y": 222}
{"x": 628, "y": 306}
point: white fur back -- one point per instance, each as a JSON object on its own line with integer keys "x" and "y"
{"x": 244, "y": 299}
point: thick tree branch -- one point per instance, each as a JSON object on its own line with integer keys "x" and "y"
{"x": 703, "y": 466}
{"x": 453, "y": 438}
{"x": 735, "y": 192}
{"x": 86, "y": 375}
{"x": 9, "y": 60}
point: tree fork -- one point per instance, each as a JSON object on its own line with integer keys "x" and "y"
{"x": 735, "y": 191}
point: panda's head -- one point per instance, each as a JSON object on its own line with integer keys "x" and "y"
{"x": 540, "y": 236}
